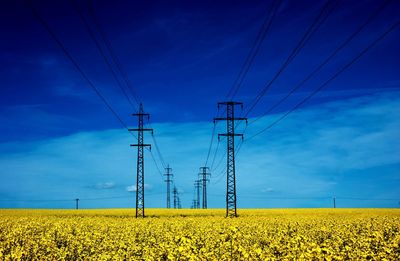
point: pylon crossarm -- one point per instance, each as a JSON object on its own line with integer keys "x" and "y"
{"x": 136, "y": 129}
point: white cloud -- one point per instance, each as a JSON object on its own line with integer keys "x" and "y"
{"x": 132, "y": 188}
{"x": 105, "y": 185}
{"x": 322, "y": 150}
{"x": 314, "y": 150}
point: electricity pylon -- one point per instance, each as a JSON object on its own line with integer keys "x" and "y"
{"x": 179, "y": 203}
{"x": 140, "y": 161}
{"x": 197, "y": 185}
{"x": 204, "y": 179}
{"x": 230, "y": 165}
{"x": 169, "y": 175}
{"x": 175, "y": 192}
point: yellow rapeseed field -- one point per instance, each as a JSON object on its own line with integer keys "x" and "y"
{"x": 295, "y": 234}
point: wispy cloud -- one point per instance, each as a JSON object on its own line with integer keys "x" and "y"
{"x": 132, "y": 188}
{"x": 347, "y": 148}
{"x": 105, "y": 185}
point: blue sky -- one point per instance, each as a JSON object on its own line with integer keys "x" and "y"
{"x": 59, "y": 142}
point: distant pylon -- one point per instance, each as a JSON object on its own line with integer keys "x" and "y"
{"x": 140, "y": 161}
{"x": 197, "y": 185}
{"x": 77, "y": 203}
{"x": 179, "y": 203}
{"x": 204, "y": 174}
{"x": 230, "y": 165}
{"x": 168, "y": 174}
{"x": 175, "y": 192}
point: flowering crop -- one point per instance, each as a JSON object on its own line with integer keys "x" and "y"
{"x": 303, "y": 234}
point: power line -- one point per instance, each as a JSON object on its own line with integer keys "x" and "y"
{"x": 271, "y": 12}
{"x": 119, "y": 67}
{"x": 219, "y": 177}
{"x": 114, "y": 57}
{"x": 84, "y": 76}
{"x": 219, "y": 162}
{"x": 163, "y": 164}
{"x": 73, "y": 61}
{"x": 345, "y": 67}
{"x": 158, "y": 151}
{"x": 211, "y": 142}
{"x": 159, "y": 154}
{"x": 122, "y": 72}
{"x": 223, "y": 156}
{"x": 215, "y": 154}
{"x": 324, "y": 13}
{"x": 124, "y": 75}
{"x": 317, "y": 22}
{"x": 101, "y": 51}
{"x": 156, "y": 165}
{"x": 326, "y": 61}
{"x": 160, "y": 193}
{"x": 91, "y": 84}
{"x": 266, "y": 26}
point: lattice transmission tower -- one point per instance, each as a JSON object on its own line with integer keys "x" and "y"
{"x": 230, "y": 164}
{"x": 197, "y": 185}
{"x": 176, "y": 198}
{"x": 140, "y": 161}
{"x": 204, "y": 178}
{"x": 168, "y": 174}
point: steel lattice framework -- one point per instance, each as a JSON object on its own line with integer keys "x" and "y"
{"x": 197, "y": 185}
{"x": 175, "y": 192}
{"x": 204, "y": 174}
{"x": 230, "y": 165}
{"x": 169, "y": 175}
{"x": 140, "y": 161}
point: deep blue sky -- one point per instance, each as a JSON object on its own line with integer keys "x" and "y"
{"x": 182, "y": 58}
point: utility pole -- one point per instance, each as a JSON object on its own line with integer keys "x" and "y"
{"x": 169, "y": 175}
{"x": 230, "y": 165}
{"x": 140, "y": 161}
{"x": 179, "y": 203}
{"x": 175, "y": 192}
{"x": 334, "y": 202}
{"x": 197, "y": 185}
{"x": 204, "y": 179}
{"x": 77, "y": 203}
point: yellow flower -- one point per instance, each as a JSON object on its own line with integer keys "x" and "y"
{"x": 306, "y": 234}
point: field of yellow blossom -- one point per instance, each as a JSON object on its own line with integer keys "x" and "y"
{"x": 278, "y": 234}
